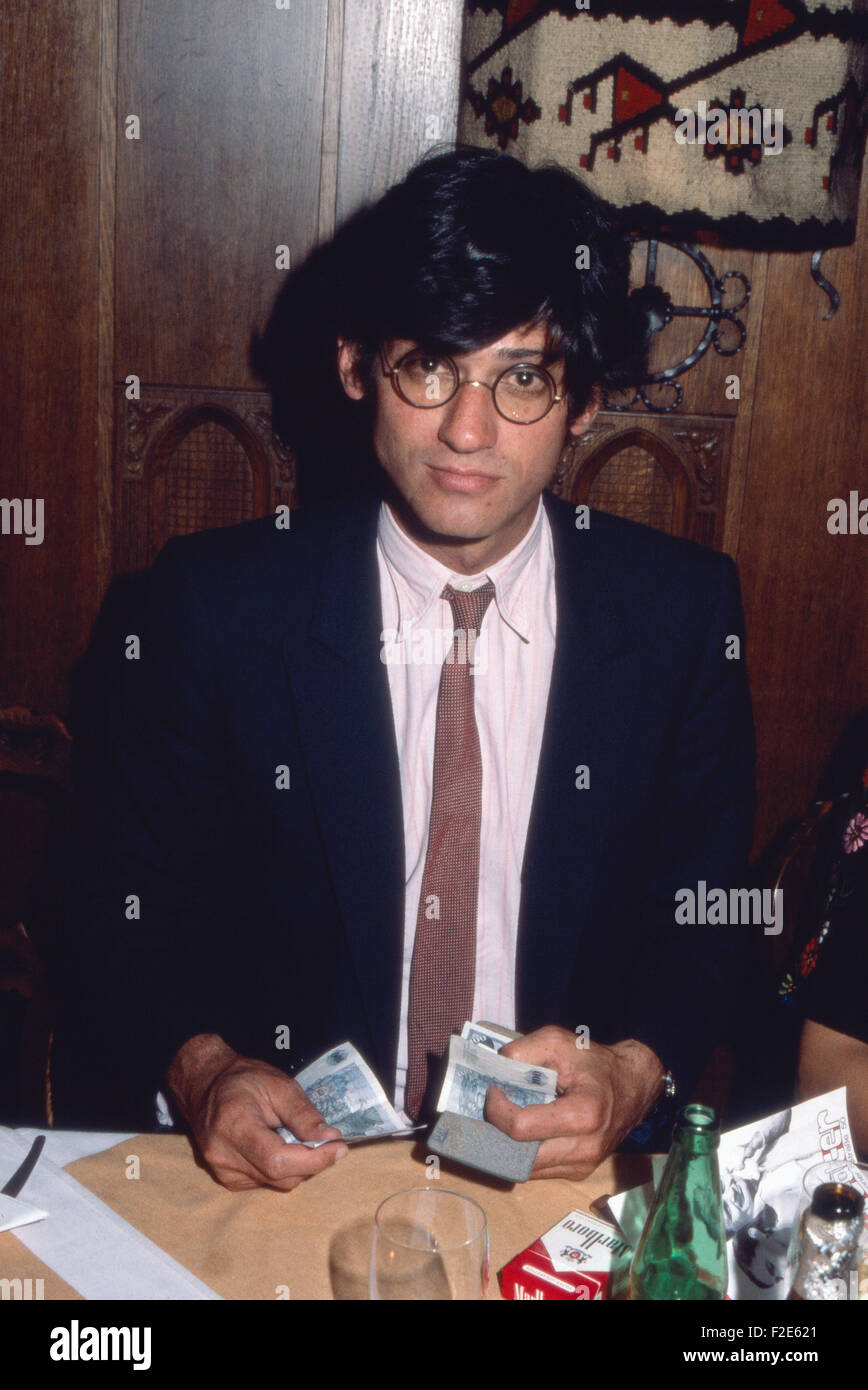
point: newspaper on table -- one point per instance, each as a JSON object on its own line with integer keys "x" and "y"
{"x": 474, "y": 1065}
{"x": 348, "y": 1096}
{"x": 762, "y": 1169}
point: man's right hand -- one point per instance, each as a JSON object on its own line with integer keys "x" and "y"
{"x": 233, "y": 1105}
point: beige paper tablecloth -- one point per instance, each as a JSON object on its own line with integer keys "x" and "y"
{"x": 314, "y": 1242}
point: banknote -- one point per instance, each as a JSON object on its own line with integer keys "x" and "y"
{"x": 489, "y": 1037}
{"x": 348, "y": 1095}
{"x": 473, "y": 1067}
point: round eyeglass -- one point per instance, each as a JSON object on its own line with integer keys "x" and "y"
{"x": 523, "y": 393}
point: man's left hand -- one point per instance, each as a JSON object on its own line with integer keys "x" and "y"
{"x": 603, "y": 1093}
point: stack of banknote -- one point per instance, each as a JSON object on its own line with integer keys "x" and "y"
{"x": 475, "y": 1065}
{"x": 348, "y": 1095}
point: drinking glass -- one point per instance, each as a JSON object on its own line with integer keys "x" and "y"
{"x": 834, "y": 1170}
{"x": 429, "y": 1243}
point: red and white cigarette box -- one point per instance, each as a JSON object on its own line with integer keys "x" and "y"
{"x": 578, "y": 1258}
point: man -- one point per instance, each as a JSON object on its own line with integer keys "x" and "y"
{"x": 327, "y": 833}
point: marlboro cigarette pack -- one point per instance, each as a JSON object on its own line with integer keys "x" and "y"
{"x": 581, "y": 1257}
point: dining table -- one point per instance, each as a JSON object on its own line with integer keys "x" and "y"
{"x": 146, "y": 1203}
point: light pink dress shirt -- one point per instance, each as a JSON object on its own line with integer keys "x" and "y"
{"x": 512, "y": 674}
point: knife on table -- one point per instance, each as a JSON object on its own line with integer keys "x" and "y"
{"x": 20, "y": 1176}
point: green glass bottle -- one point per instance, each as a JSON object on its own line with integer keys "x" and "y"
{"x": 682, "y": 1250}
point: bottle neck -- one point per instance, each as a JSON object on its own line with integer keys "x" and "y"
{"x": 695, "y": 1144}
{"x": 697, "y": 1132}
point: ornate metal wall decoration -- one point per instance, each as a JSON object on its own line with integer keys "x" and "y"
{"x": 721, "y": 320}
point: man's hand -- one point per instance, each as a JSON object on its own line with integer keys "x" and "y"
{"x": 603, "y": 1093}
{"x": 233, "y": 1105}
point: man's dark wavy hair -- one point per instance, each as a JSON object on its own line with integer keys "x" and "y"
{"x": 471, "y": 245}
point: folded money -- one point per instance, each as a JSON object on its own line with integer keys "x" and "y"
{"x": 474, "y": 1066}
{"x": 348, "y": 1096}
{"x": 488, "y": 1036}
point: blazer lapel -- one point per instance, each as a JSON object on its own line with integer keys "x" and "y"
{"x": 591, "y": 698}
{"x": 341, "y": 695}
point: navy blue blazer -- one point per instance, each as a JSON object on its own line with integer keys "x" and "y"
{"x": 219, "y": 899}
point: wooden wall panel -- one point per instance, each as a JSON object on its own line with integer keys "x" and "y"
{"x": 230, "y": 99}
{"x": 48, "y": 346}
{"x": 399, "y": 91}
{"x": 108, "y": 145}
{"x": 331, "y": 120}
{"x": 806, "y": 591}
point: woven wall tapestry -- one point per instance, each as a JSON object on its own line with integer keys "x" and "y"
{"x": 746, "y": 117}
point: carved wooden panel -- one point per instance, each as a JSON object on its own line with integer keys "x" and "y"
{"x": 669, "y": 472}
{"x": 187, "y": 460}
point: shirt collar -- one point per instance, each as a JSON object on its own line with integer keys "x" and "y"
{"x": 418, "y": 578}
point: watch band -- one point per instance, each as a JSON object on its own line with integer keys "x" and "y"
{"x": 660, "y": 1117}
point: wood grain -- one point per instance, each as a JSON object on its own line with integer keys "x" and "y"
{"x": 108, "y": 140}
{"x": 48, "y": 347}
{"x": 230, "y": 98}
{"x": 399, "y": 93}
{"x": 806, "y": 591}
{"x": 331, "y": 121}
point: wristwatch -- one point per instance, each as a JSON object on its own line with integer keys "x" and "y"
{"x": 670, "y": 1090}
{"x": 660, "y": 1118}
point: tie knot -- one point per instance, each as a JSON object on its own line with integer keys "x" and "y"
{"x": 468, "y": 608}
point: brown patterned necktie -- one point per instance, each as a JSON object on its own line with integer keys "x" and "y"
{"x": 443, "y": 968}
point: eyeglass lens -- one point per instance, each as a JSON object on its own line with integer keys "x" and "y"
{"x": 523, "y": 393}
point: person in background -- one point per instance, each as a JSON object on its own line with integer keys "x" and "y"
{"x": 826, "y": 979}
